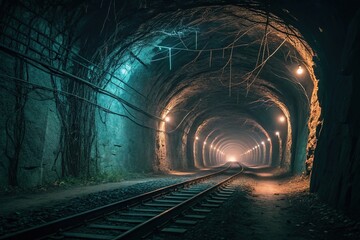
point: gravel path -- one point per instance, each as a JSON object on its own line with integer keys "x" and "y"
{"x": 44, "y": 207}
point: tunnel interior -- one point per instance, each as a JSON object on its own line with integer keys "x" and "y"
{"x": 93, "y": 87}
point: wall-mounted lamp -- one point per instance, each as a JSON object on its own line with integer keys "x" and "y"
{"x": 300, "y": 70}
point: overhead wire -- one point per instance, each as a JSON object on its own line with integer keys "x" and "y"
{"x": 79, "y": 79}
{"x": 75, "y": 96}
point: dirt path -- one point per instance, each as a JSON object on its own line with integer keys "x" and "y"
{"x": 270, "y": 215}
{"x": 266, "y": 207}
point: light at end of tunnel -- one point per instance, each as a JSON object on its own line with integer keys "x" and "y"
{"x": 282, "y": 119}
{"x": 277, "y": 133}
{"x": 231, "y": 159}
{"x": 300, "y": 70}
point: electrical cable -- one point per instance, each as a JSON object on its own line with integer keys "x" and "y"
{"x": 79, "y": 79}
{"x": 77, "y": 97}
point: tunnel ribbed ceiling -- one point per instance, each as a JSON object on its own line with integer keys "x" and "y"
{"x": 216, "y": 62}
{"x": 226, "y": 62}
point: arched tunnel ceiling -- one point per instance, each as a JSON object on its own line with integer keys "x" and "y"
{"x": 205, "y": 60}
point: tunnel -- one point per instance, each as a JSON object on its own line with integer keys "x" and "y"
{"x": 102, "y": 88}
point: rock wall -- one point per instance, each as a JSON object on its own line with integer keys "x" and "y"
{"x": 29, "y": 122}
{"x": 335, "y": 175}
{"x": 41, "y": 114}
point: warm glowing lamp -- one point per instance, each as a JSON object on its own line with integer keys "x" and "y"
{"x": 197, "y": 138}
{"x": 277, "y": 133}
{"x": 282, "y": 119}
{"x": 300, "y": 70}
{"x": 167, "y": 119}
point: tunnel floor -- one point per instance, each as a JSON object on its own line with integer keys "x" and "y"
{"x": 268, "y": 206}
{"x": 265, "y": 205}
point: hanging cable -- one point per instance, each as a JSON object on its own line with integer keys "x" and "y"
{"x": 76, "y": 78}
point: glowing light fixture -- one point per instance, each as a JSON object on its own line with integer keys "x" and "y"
{"x": 204, "y": 143}
{"x": 269, "y": 139}
{"x": 197, "y": 138}
{"x": 211, "y": 146}
{"x": 262, "y": 143}
{"x": 300, "y": 70}
{"x": 277, "y": 133}
{"x": 125, "y": 69}
{"x": 282, "y": 119}
{"x": 167, "y": 119}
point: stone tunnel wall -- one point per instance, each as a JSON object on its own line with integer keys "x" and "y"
{"x": 29, "y": 122}
{"x": 44, "y": 114}
{"x": 335, "y": 175}
{"x": 30, "y": 128}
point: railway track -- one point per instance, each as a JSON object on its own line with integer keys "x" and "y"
{"x": 167, "y": 210}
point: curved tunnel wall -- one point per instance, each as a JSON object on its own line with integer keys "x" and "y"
{"x": 107, "y": 114}
{"x": 140, "y": 84}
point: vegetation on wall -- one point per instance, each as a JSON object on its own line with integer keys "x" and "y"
{"x": 15, "y": 126}
{"x": 47, "y": 50}
{"x": 45, "y": 37}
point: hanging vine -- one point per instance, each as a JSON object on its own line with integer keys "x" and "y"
{"x": 15, "y": 127}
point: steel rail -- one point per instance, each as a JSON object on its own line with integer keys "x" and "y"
{"x": 142, "y": 229}
{"x": 72, "y": 221}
